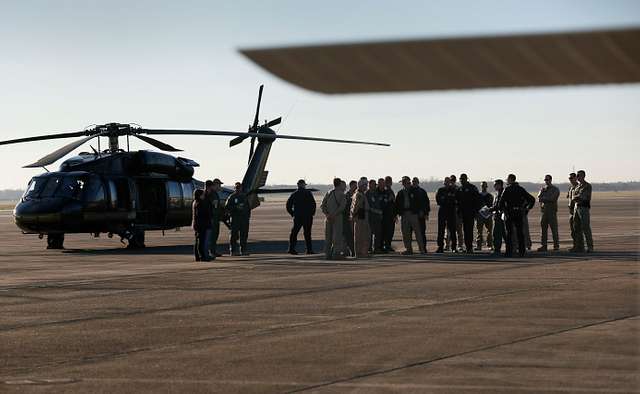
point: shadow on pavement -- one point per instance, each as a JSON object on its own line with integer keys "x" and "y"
{"x": 281, "y": 247}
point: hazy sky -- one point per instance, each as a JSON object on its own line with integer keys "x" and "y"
{"x": 174, "y": 64}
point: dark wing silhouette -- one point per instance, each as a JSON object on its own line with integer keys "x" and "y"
{"x": 524, "y": 60}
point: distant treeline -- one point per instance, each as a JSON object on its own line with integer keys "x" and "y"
{"x": 432, "y": 186}
{"x": 10, "y": 194}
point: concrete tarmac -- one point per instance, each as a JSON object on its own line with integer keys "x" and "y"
{"x": 99, "y": 318}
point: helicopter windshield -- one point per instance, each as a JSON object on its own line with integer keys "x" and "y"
{"x": 55, "y": 186}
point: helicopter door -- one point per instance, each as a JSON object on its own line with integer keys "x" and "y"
{"x": 152, "y": 207}
{"x": 120, "y": 202}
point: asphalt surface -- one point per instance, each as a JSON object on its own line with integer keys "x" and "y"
{"x": 98, "y": 318}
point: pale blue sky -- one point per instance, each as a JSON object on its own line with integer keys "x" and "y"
{"x": 68, "y": 64}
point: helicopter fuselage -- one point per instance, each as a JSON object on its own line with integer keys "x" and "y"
{"x": 117, "y": 193}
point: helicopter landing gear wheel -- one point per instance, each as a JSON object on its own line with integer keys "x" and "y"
{"x": 136, "y": 241}
{"x": 55, "y": 241}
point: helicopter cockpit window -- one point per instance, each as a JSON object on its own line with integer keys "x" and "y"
{"x": 45, "y": 187}
{"x": 70, "y": 187}
{"x": 34, "y": 189}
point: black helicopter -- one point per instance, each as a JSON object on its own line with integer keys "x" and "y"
{"x": 124, "y": 192}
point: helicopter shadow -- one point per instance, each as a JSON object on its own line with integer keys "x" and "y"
{"x": 256, "y": 247}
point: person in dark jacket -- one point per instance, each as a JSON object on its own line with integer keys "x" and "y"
{"x": 468, "y": 205}
{"x": 388, "y": 215}
{"x": 239, "y": 210}
{"x": 374, "y": 196}
{"x": 201, "y": 223}
{"x": 301, "y": 206}
{"x": 514, "y": 201}
{"x": 424, "y": 209}
{"x": 212, "y": 188}
{"x": 407, "y": 207}
{"x": 498, "y": 223}
{"x": 447, "y": 200}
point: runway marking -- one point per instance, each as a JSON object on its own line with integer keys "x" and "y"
{"x": 463, "y": 353}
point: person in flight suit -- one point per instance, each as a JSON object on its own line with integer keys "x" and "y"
{"x": 238, "y": 209}
{"x": 486, "y": 199}
{"x": 212, "y": 188}
{"x": 201, "y": 223}
{"x": 498, "y": 223}
{"x": 447, "y": 200}
{"x": 468, "y": 205}
{"x": 374, "y": 198}
{"x": 388, "y": 215}
{"x": 333, "y": 206}
{"x": 360, "y": 217}
{"x": 407, "y": 206}
{"x": 572, "y": 206}
{"x": 424, "y": 209}
{"x": 347, "y": 226}
{"x": 514, "y": 201}
{"x": 548, "y": 199}
{"x": 582, "y": 215}
{"x": 302, "y": 207}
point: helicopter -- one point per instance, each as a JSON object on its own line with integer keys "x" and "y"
{"x": 123, "y": 192}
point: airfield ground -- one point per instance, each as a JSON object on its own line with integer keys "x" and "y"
{"x": 98, "y": 318}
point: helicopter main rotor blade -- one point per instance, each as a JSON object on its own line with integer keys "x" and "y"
{"x": 274, "y": 122}
{"x": 236, "y": 141}
{"x": 256, "y": 135}
{"x": 158, "y": 144}
{"x": 45, "y": 137}
{"x": 54, "y": 156}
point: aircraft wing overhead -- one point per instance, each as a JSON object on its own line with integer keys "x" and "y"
{"x": 546, "y": 59}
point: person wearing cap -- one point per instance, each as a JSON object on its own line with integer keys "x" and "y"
{"x": 301, "y": 206}
{"x": 333, "y": 206}
{"x": 212, "y": 188}
{"x": 548, "y": 199}
{"x": 407, "y": 206}
{"x": 360, "y": 217}
{"x": 582, "y": 215}
{"x": 238, "y": 209}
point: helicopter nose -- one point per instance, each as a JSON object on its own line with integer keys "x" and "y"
{"x": 45, "y": 215}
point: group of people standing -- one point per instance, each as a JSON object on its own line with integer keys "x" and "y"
{"x": 209, "y": 210}
{"x": 361, "y": 217}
